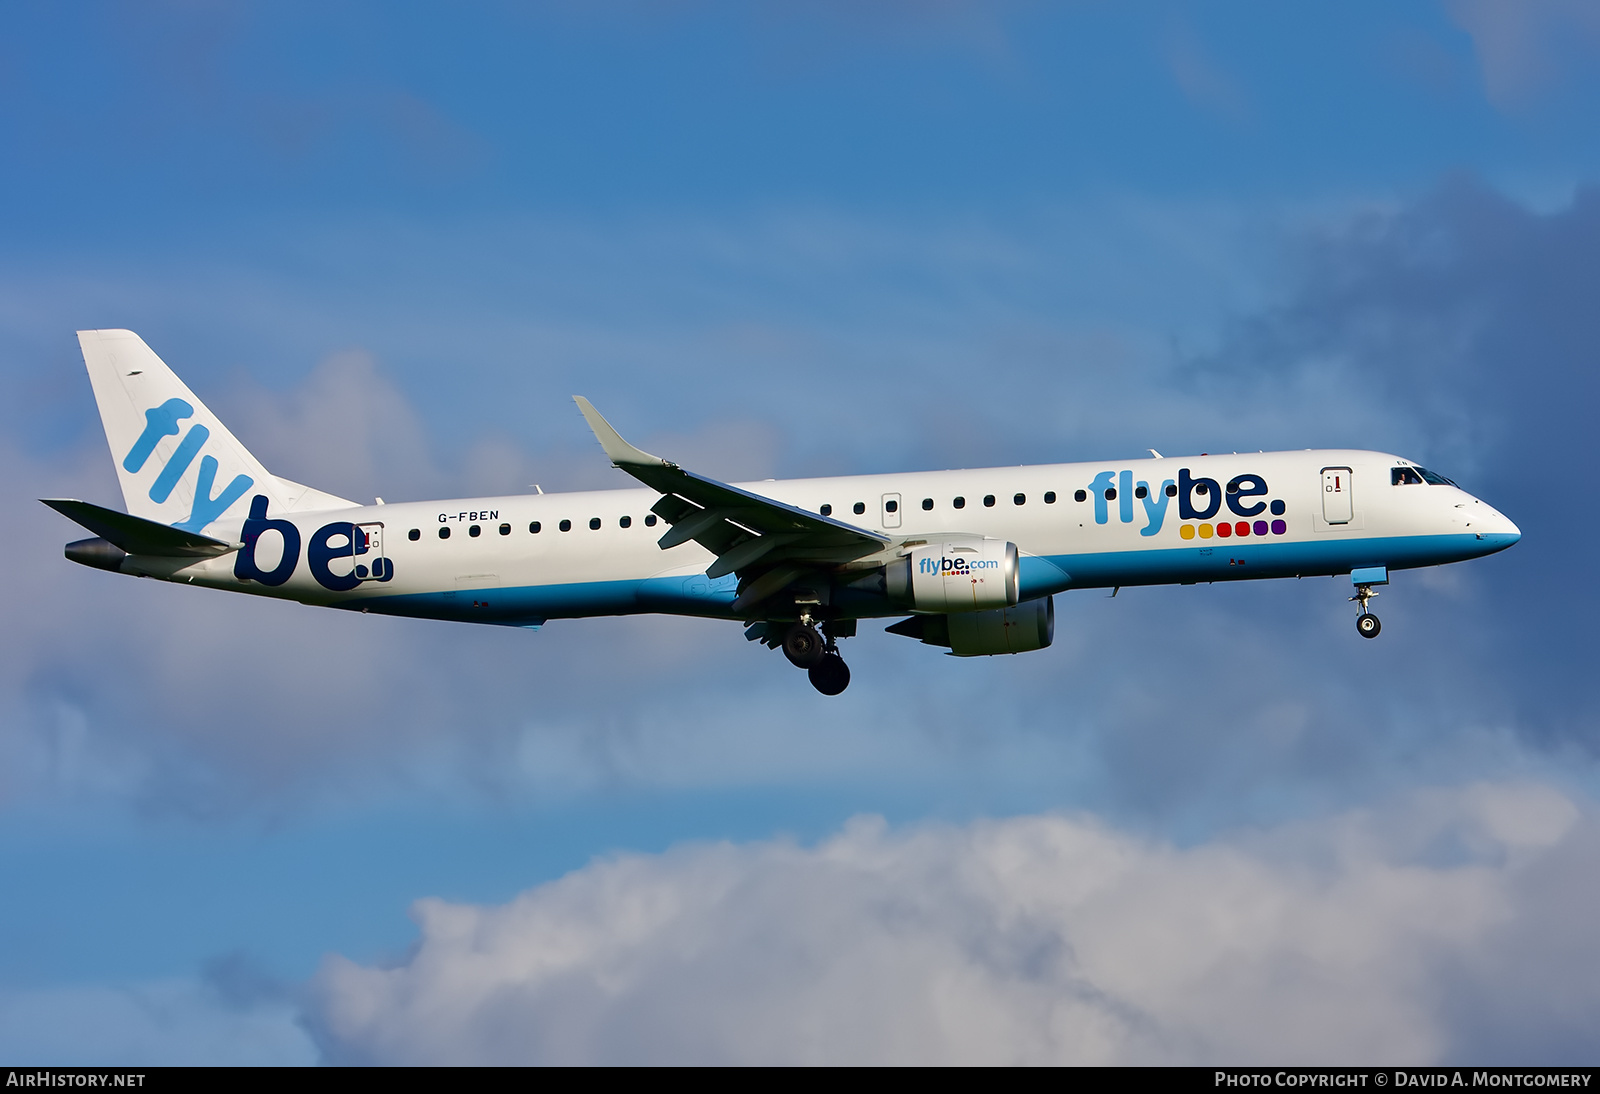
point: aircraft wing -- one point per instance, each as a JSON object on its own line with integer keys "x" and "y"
{"x": 768, "y": 543}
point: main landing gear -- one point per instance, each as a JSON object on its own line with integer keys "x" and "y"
{"x": 1367, "y": 625}
{"x": 806, "y": 648}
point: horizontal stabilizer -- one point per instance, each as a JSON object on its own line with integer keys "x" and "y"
{"x": 136, "y": 535}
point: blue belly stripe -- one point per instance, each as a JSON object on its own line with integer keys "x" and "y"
{"x": 1219, "y": 560}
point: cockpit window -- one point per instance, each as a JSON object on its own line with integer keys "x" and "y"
{"x": 1434, "y": 480}
{"x": 1405, "y": 476}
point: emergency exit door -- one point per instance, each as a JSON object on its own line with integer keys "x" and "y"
{"x": 891, "y": 510}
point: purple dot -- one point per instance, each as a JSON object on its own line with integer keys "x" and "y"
{"x": 1279, "y": 527}
{"x": 1261, "y": 527}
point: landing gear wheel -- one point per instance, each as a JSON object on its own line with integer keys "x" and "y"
{"x": 830, "y": 675}
{"x": 1367, "y": 625}
{"x": 803, "y": 646}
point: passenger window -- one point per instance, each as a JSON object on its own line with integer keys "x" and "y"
{"x": 565, "y": 526}
{"x": 475, "y": 531}
{"x": 959, "y": 503}
{"x": 827, "y": 510}
{"x": 988, "y": 500}
{"x": 1049, "y": 497}
{"x": 534, "y": 527}
{"x": 1404, "y": 476}
{"x": 1111, "y": 493}
{"x": 415, "y": 534}
{"x": 1080, "y": 495}
{"x": 1020, "y": 499}
{"x": 594, "y": 524}
{"x": 891, "y": 506}
{"x": 858, "y": 508}
{"x": 1172, "y": 490}
{"x": 444, "y": 531}
{"x": 927, "y": 503}
{"x": 650, "y": 520}
{"x": 505, "y": 529}
{"x": 625, "y": 522}
{"x": 1140, "y": 492}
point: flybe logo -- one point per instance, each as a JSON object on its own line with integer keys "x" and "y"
{"x": 955, "y": 567}
{"x": 1199, "y": 499}
{"x": 338, "y": 541}
{"x": 162, "y": 421}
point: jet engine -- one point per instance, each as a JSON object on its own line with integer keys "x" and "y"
{"x": 1020, "y": 628}
{"x": 955, "y": 575}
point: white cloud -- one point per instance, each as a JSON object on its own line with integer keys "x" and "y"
{"x": 1371, "y": 937}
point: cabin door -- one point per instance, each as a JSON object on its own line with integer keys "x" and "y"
{"x": 1336, "y": 504}
{"x": 367, "y": 546}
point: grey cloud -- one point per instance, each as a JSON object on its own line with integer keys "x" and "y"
{"x": 1460, "y": 330}
{"x": 1374, "y": 937}
{"x": 164, "y": 1023}
{"x": 1524, "y": 48}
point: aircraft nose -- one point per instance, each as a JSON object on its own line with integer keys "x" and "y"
{"x": 1495, "y": 526}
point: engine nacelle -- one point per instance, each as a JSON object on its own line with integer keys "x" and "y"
{"x": 955, "y": 575}
{"x": 1030, "y": 625}
{"x": 1020, "y": 628}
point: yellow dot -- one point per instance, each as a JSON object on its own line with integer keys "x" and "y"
{"x": 1186, "y": 531}
{"x": 1205, "y": 531}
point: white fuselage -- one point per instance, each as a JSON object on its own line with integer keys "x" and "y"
{"x": 521, "y": 560}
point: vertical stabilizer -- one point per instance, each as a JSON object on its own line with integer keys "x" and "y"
{"x": 176, "y": 462}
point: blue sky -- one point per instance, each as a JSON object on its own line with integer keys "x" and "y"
{"x": 386, "y": 242}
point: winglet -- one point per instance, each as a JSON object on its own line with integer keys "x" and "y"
{"x": 620, "y": 451}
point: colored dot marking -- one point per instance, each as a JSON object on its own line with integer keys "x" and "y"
{"x": 1279, "y": 527}
{"x": 1205, "y": 531}
{"x": 1186, "y": 531}
{"x": 1224, "y": 530}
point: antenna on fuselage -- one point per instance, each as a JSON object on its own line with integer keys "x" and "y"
{"x": 1156, "y": 454}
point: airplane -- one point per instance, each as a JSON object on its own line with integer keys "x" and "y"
{"x": 968, "y": 560}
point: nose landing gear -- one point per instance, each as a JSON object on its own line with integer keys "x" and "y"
{"x": 1364, "y": 578}
{"x": 1367, "y": 625}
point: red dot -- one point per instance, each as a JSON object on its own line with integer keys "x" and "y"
{"x": 1242, "y": 528}
{"x": 1224, "y": 529}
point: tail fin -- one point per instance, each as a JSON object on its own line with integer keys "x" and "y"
{"x": 156, "y": 428}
